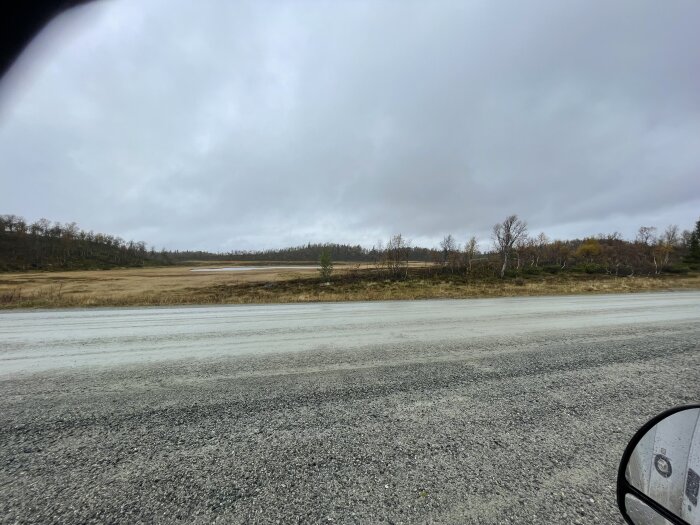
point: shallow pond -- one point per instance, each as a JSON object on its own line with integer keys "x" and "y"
{"x": 251, "y": 268}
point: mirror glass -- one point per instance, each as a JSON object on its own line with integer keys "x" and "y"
{"x": 665, "y": 465}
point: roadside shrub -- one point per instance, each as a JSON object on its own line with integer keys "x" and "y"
{"x": 589, "y": 268}
{"x": 676, "y": 269}
{"x": 551, "y": 268}
{"x": 532, "y": 270}
{"x": 325, "y": 265}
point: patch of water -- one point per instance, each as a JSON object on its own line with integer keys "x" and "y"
{"x": 252, "y": 268}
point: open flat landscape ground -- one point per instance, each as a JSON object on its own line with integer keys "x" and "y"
{"x": 178, "y": 285}
{"x": 160, "y": 285}
{"x": 489, "y": 411}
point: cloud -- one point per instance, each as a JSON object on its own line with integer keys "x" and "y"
{"x": 250, "y": 125}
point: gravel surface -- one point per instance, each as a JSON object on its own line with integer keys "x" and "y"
{"x": 500, "y": 426}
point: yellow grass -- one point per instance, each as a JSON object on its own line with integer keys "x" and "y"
{"x": 178, "y": 285}
{"x": 134, "y": 286}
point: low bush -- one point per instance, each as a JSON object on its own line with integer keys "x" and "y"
{"x": 589, "y": 268}
{"x": 676, "y": 269}
{"x": 551, "y": 268}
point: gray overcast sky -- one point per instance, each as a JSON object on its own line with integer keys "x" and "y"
{"x": 239, "y": 125}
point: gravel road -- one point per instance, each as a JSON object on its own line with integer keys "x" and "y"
{"x": 479, "y": 411}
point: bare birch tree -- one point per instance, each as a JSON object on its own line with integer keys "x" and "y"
{"x": 522, "y": 245}
{"x": 505, "y": 235}
{"x": 450, "y": 252}
{"x": 671, "y": 237}
{"x": 646, "y": 235}
{"x": 664, "y": 247}
{"x": 396, "y": 255}
{"x": 471, "y": 250}
{"x": 541, "y": 242}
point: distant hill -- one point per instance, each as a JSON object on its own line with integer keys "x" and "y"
{"x": 53, "y": 246}
{"x": 307, "y": 252}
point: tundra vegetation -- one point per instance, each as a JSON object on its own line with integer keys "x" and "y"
{"x": 52, "y": 264}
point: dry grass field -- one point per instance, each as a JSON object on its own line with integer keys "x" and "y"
{"x": 179, "y": 285}
{"x": 135, "y": 286}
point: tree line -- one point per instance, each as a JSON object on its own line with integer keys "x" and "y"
{"x": 511, "y": 250}
{"x": 514, "y": 251}
{"x": 46, "y": 245}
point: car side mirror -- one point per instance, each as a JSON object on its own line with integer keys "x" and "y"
{"x": 659, "y": 476}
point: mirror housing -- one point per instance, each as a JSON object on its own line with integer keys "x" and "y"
{"x": 658, "y": 480}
